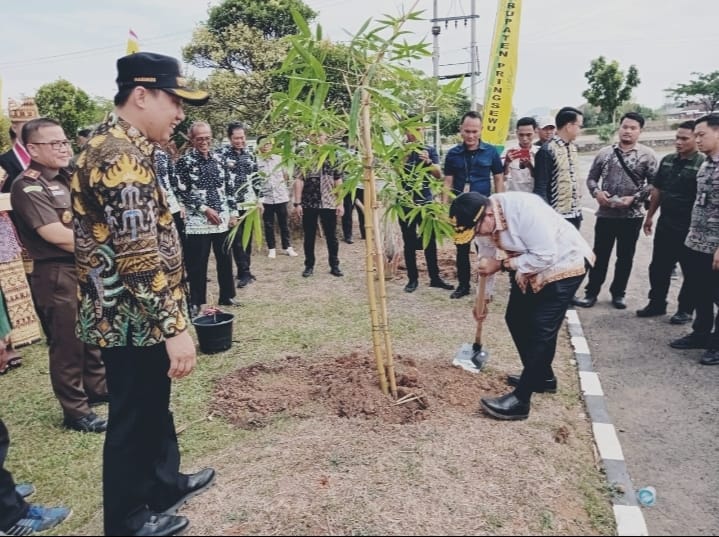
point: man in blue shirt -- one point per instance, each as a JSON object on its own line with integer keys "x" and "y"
{"x": 473, "y": 163}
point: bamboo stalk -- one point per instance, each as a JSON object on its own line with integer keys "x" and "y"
{"x": 371, "y": 244}
{"x": 381, "y": 288}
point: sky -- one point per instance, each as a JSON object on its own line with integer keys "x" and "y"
{"x": 80, "y": 41}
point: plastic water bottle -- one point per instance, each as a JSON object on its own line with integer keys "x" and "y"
{"x": 647, "y": 496}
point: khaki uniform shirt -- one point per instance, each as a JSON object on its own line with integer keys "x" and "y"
{"x": 40, "y": 197}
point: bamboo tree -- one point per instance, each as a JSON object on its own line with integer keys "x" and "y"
{"x": 388, "y": 98}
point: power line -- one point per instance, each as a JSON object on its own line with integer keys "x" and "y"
{"x": 80, "y": 53}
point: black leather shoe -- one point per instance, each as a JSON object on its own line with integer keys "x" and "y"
{"x": 411, "y": 286}
{"x": 681, "y": 317}
{"x": 335, "y": 271}
{"x": 507, "y": 407}
{"x": 710, "y": 357}
{"x": 244, "y": 281}
{"x": 619, "y": 302}
{"x": 163, "y": 525}
{"x": 460, "y": 292}
{"x": 441, "y": 284}
{"x": 691, "y": 341}
{"x": 349, "y": 240}
{"x": 194, "y": 310}
{"x": 587, "y": 302}
{"x": 653, "y": 309}
{"x": 549, "y": 385}
{"x": 92, "y": 423}
{"x": 230, "y": 302}
{"x": 196, "y": 484}
{"x": 307, "y": 272}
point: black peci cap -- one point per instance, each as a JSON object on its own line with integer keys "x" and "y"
{"x": 151, "y": 70}
{"x": 464, "y": 213}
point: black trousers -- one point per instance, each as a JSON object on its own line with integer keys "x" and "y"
{"x": 141, "y": 460}
{"x": 668, "y": 250}
{"x": 534, "y": 320}
{"x": 607, "y": 231}
{"x": 349, "y": 205}
{"x": 411, "y": 240}
{"x": 464, "y": 270}
{"x": 328, "y": 220}
{"x": 197, "y": 256}
{"x": 12, "y": 506}
{"x": 703, "y": 290}
{"x": 242, "y": 255}
{"x": 268, "y": 217}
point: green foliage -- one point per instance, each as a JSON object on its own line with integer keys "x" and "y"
{"x": 69, "y": 105}
{"x": 645, "y": 111}
{"x": 4, "y": 133}
{"x": 244, "y": 43}
{"x": 400, "y": 99}
{"x": 704, "y": 90}
{"x": 591, "y": 115}
{"x": 449, "y": 119}
{"x": 609, "y": 87}
{"x": 271, "y": 17}
{"x": 606, "y": 132}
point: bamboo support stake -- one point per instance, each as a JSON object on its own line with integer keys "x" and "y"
{"x": 380, "y": 289}
{"x": 371, "y": 247}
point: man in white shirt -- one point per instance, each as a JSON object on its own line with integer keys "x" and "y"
{"x": 519, "y": 160}
{"x": 547, "y": 258}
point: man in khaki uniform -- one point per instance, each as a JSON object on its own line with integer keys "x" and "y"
{"x": 41, "y": 200}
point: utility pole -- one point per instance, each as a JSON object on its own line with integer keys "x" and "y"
{"x": 473, "y": 56}
{"x": 436, "y": 29}
{"x": 473, "y": 70}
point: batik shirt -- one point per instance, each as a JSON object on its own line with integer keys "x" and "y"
{"x": 273, "y": 180}
{"x": 704, "y": 230}
{"x": 608, "y": 174}
{"x": 203, "y": 183}
{"x": 165, "y": 171}
{"x": 318, "y": 191}
{"x": 555, "y": 177}
{"x": 127, "y": 250}
{"x": 241, "y": 168}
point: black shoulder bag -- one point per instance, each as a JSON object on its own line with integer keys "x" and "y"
{"x": 630, "y": 173}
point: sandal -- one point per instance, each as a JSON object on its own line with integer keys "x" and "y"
{"x": 16, "y": 361}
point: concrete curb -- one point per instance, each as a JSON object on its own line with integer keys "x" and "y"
{"x": 627, "y": 513}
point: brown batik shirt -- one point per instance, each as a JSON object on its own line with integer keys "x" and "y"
{"x": 132, "y": 288}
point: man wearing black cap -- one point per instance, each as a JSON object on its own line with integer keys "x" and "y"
{"x": 546, "y": 257}
{"x": 132, "y": 296}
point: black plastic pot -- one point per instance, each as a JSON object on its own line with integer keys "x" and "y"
{"x": 214, "y": 332}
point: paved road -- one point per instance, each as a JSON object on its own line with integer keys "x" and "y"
{"x": 664, "y": 404}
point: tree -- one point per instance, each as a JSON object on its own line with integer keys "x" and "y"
{"x": 704, "y": 89}
{"x": 387, "y": 100}
{"x": 65, "y": 103}
{"x": 609, "y": 87}
{"x": 449, "y": 119}
{"x": 243, "y": 42}
{"x": 4, "y": 134}
{"x": 645, "y": 111}
{"x": 273, "y": 18}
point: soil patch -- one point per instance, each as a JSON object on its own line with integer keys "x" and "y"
{"x": 347, "y": 387}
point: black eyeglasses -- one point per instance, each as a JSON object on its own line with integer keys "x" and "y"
{"x": 57, "y": 145}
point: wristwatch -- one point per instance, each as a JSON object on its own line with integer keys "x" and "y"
{"x": 296, "y": 204}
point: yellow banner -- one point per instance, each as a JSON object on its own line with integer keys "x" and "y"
{"x": 502, "y": 70}
{"x": 133, "y": 44}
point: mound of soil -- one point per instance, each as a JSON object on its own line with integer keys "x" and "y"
{"x": 348, "y": 387}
